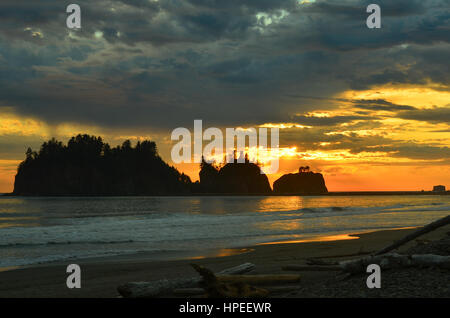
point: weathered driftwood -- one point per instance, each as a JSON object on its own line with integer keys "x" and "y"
{"x": 318, "y": 261}
{"x": 427, "y": 228}
{"x": 201, "y": 291}
{"x": 281, "y": 289}
{"x": 185, "y": 292}
{"x": 394, "y": 260}
{"x": 312, "y": 268}
{"x": 214, "y": 288}
{"x": 259, "y": 279}
{"x": 165, "y": 286}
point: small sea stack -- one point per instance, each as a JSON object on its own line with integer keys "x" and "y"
{"x": 303, "y": 182}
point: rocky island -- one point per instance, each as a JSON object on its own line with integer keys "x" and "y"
{"x": 233, "y": 178}
{"x": 302, "y": 183}
{"x": 87, "y": 166}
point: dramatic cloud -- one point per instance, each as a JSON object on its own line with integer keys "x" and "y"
{"x": 229, "y": 62}
{"x": 380, "y": 104}
{"x": 150, "y": 66}
{"x": 329, "y": 121}
{"x": 434, "y": 115}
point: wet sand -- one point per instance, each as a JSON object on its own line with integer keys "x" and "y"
{"x": 100, "y": 277}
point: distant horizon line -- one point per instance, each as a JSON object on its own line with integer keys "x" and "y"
{"x": 330, "y": 193}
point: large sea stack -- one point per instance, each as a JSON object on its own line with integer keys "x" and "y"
{"x": 89, "y": 166}
{"x": 303, "y": 182}
{"x": 234, "y": 178}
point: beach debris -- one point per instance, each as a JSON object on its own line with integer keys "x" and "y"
{"x": 164, "y": 286}
{"x": 318, "y": 261}
{"x": 437, "y": 247}
{"x": 394, "y": 260}
{"x": 422, "y": 241}
{"x": 423, "y": 230}
{"x": 260, "y": 279}
{"x": 282, "y": 289}
{"x": 217, "y": 288}
{"x": 312, "y": 268}
{"x": 189, "y": 292}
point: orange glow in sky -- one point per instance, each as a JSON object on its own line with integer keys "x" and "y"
{"x": 378, "y": 164}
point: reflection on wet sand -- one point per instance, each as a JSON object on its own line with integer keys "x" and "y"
{"x": 224, "y": 252}
{"x": 339, "y": 237}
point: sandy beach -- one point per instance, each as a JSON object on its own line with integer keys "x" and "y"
{"x": 101, "y": 276}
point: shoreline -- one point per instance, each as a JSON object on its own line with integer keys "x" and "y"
{"x": 198, "y": 254}
{"x": 331, "y": 193}
{"x": 101, "y": 276}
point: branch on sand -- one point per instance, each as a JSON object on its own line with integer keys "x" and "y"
{"x": 214, "y": 288}
{"x": 423, "y": 230}
{"x": 166, "y": 287}
{"x": 394, "y": 260}
{"x": 386, "y": 261}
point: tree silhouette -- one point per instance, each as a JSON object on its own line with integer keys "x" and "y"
{"x": 302, "y": 169}
{"x": 234, "y": 177}
{"x": 88, "y": 166}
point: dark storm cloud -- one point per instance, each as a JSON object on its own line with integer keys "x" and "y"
{"x": 411, "y": 150}
{"x": 352, "y": 9}
{"x": 14, "y": 147}
{"x": 312, "y": 139}
{"x": 23, "y": 12}
{"x": 329, "y": 121}
{"x": 253, "y": 5}
{"x": 380, "y": 104}
{"x": 162, "y": 64}
{"x": 366, "y": 104}
{"x": 433, "y": 115}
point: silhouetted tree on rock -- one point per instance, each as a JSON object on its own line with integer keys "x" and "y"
{"x": 303, "y": 182}
{"x": 234, "y": 178}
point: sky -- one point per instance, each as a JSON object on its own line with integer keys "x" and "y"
{"x": 368, "y": 108}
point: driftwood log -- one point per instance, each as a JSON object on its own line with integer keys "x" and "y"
{"x": 394, "y": 260}
{"x": 385, "y": 261}
{"x": 312, "y": 268}
{"x": 185, "y": 292}
{"x": 215, "y": 288}
{"x": 165, "y": 286}
{"x": 427, "y": 228}
{"x": 259, "y": 279}
{"x": 318, "y": 261}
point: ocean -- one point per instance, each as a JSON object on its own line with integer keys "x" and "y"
{"x": 37, "y": 230}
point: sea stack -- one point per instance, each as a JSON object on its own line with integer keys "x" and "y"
{"x": 234, "y": 178}
{"x": 304, "y": 182}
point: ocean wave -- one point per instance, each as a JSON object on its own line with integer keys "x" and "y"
{"x": 374, "y": 209}
{"x": 28, "y": 244}
{"x": 111, "y": 232}
{"x": 51, "y": 258}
